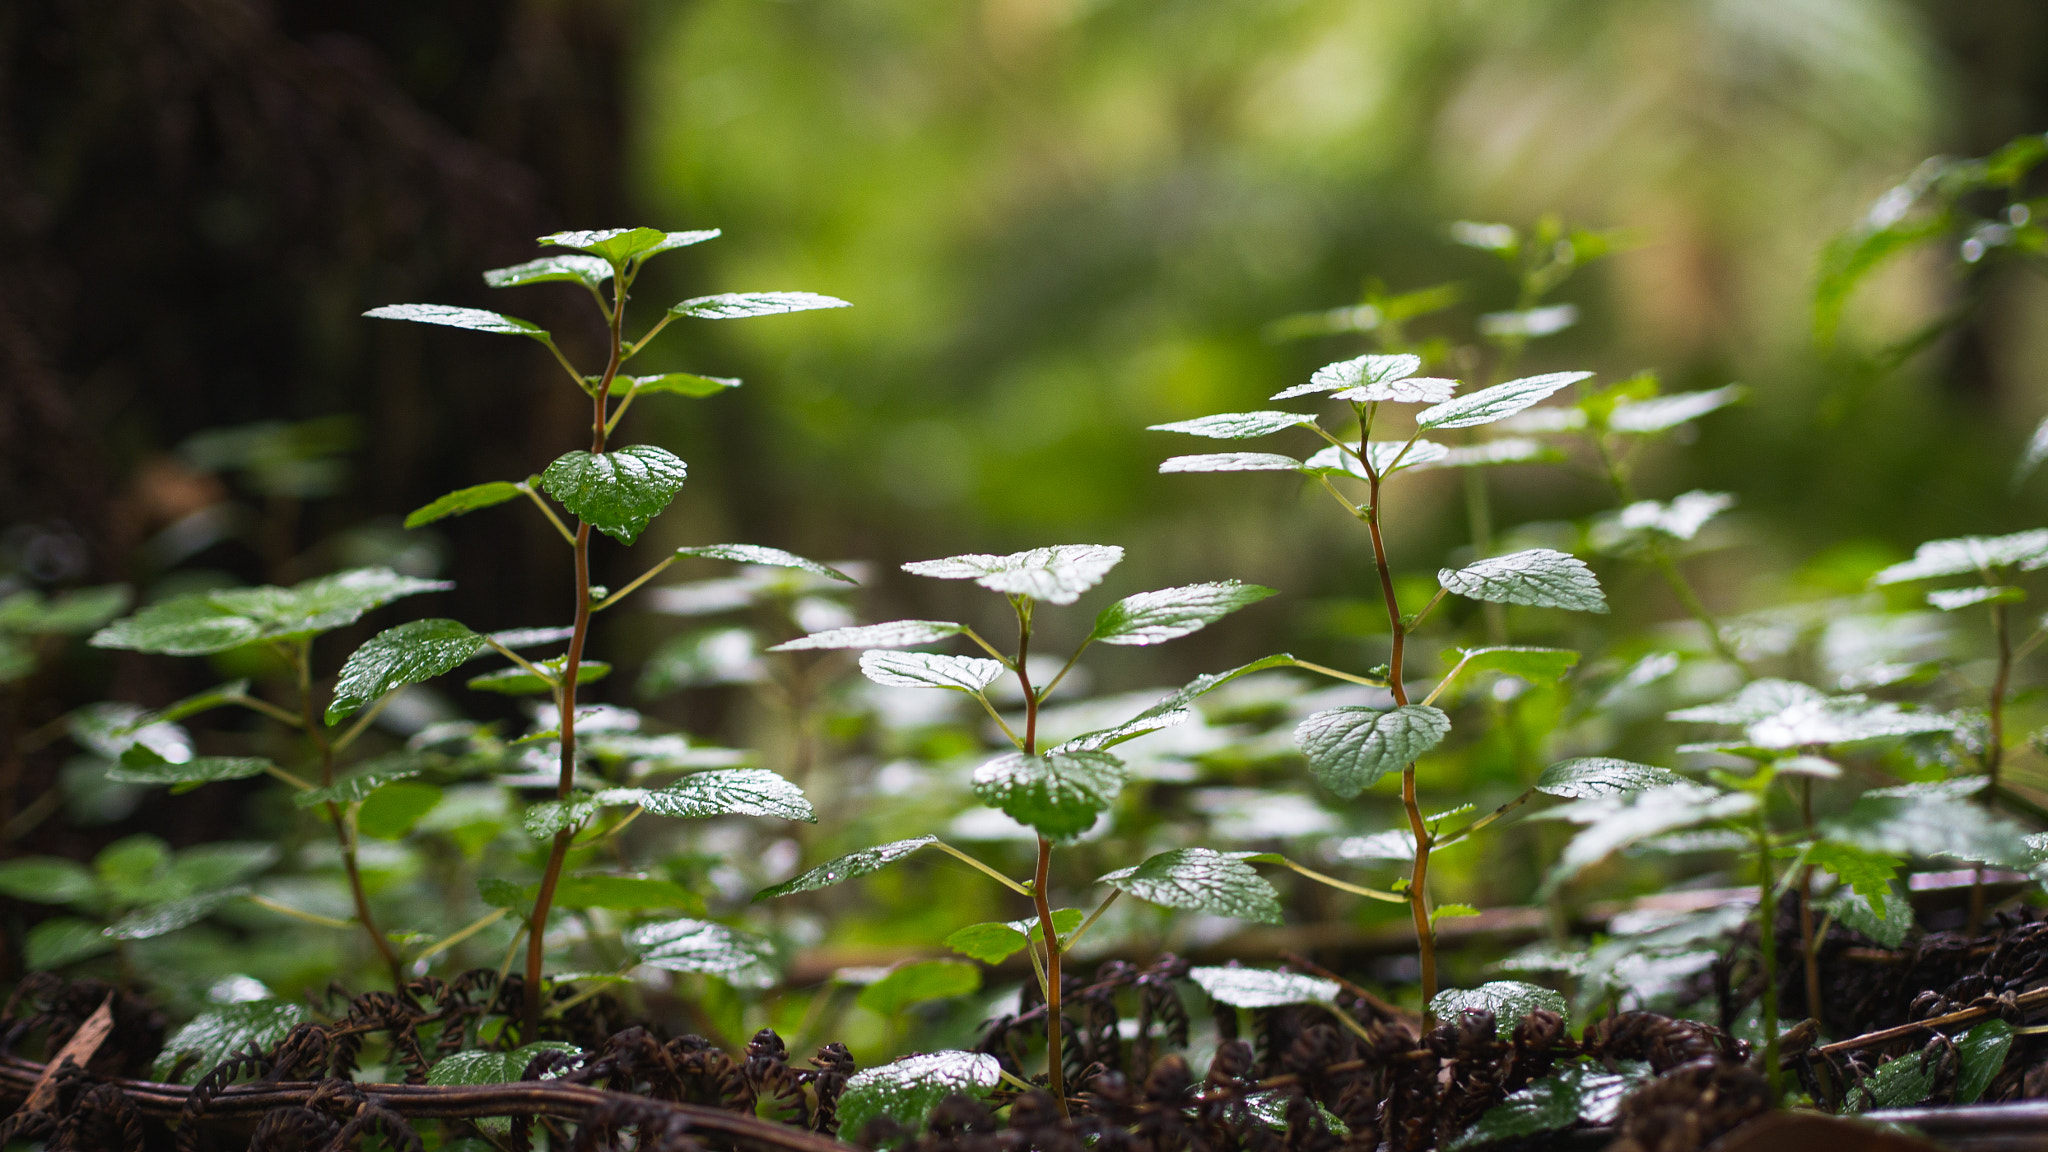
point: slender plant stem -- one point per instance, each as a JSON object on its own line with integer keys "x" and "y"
{"x": 298, "y": 913}
{"x": 308, "y": 719}
{"x": 1068, "y": 944}
{"x": 1041, "y": 880}
{"x": 558, "y": 852}
{"x": 999, "y": 878}
{"x": 1342, "y": 886}
{"x": 1809, "y": 943}
{"x": 1418, "y": 896}
{"x": 643, "y": 578}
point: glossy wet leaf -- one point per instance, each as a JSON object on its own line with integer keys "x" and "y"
{"x": 1980, "y": 1055}
{"x": 1055, "y": 575}
{"x": 474, "y": 319}
{"x": 740, "y": 958}
{"x": 1354, "y": 373}
{"x": 1200, "y": 880}
{"x": 924, "y": 670}
{"x": 587, "y": 270}
{"x": 214, "y": 1035}
{"x": 1058, "y": 793}
{"x": 1496, "y": 403}
{"x": 731, "y": 792}
{"x": 206, "y": 622}
{"x": 1660, "y": 413}
{"x": 1538, "y": 577}
{"x": 1973, "y": 554}
{"x": 359, "y": 783}
{"x": 851, "y": 866}
{"x": 1589, "y": 776}
{"x": 408, "y": 654}
{"x": 1128, "y": 730}
{"x": 772, "y": 557}
{"x": 186, "y": 775}
{"x": 994, "y": 942}
{"x": 552, "y": 817}
{"x": 1231, "y": 462}
{"x": 1951, "y": 599}
{"x": 517, "y": 681}
{"x": 1508, "y": 1000}
{"x": 1578, "y": 1091}
{"x": 737, "y": 305}
{"x": 463, "y": 501}
{"x": 1236, "y": 425}
{"x": 1931, "y": 825}
{"x": 907, "y": 1090}
{"x": 47, "y": 880}
{"x": 618, "y": 492}
{"x": 479, "y": 1067}
{"x": 618, "y": 245}
{"x": 1261, "y": 988}
{"x": 1350, "y": 748}
{"x": 1532, "y": 664}
{"x": 1170, "y": 613}
{"x": 919, "y": 982}
{"x": 893, "y": 634}
{"x": 1614, "y": 822}
{"x": 678, "y": 384}
{"x": 62, "y": 940}
{"x": 182, "y": 626}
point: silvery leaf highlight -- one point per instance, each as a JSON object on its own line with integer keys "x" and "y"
{"x": 1664, "y": 412}
{"x": 1259, "y": 988}
{"x": 1354, "y": 373}
{"x": 1170, "y": 613}
{"x": 2027, "y": 550}
{"x": 925, "y": 670}
{"x": 1200, "y": 880}
{"x": 1681, "y": 518}
{"x": 1496, "y": 403}
{"x": 1231, "y": 462}
{"x": 1350, "y": 748}
{"x": 1056, "y": 575}
{"x": 1236, "y": 425}
{"x": 893, "y": 634}
{"x": 1538, "y": 578}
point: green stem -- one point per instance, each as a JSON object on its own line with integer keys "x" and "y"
{"x": 1067, "y": 945}
{"x": 1041, "y": 879}
{"x": 1767, "y": 943}
{"x": 1339, "y": 885}
{"x": 343, "y": 836}
{"x": 964, "y": 858}
{"x": 546, "y": 511}
{"x": 643, "y": 578}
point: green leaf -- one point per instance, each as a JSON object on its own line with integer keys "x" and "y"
{"x": 925, "y": 670}
{"x": 214, "y": 1036}
{"x": 1590, "y": 776}
{"x": 619, "y": 245}
{"x": 81, "y": 610}
{"x": 1931, "y": 825}
{"x": 907, "y": 1090}
{"x": 364, "y": 780}
{"x": 738, "y": 305}
{"x": 1231, "y": 462}
{"x": 182, "y": 626}
{"x": 893, "y": 634}
{"x": 517, "y": 681}
{"x": 1950, "y": 599}
{"x": 1889, "y": 928}
{"x": 1236, "y": 425}
{"x": 678, "y": 384}
{"x": 1660, "y": 413}
{"x": 1616, "y": 821}
{"x": 1200, "y": 880}
{"x": 1868, "y": 874}
{"x": 1506, "y": 450}
{"x": 1350, "y": 748}
{"x": 1128, "y": 730}
{"x": 619, "y": 892}
{"x": 1363, "y": 370}
{"x": 391, "y": 811}
{"x": 1898, "y": 1083}
{"x": 1451, "y": 912}
{"x": 462, "y": 1068}
{"x": 1259, "y": 988}
{"x": 990, "y": 943}
{"x": 740, "y": 958}
{"x": 1538, "y": 577}
{"x": 1758, "y": 700}
{"x": 216, "y": 621}
{"x": 851, "y": 866}
{"x": 62, "y": 940}
{"x": 1170, "y": 613}
{"x": 1980, "y": 554}
{"x": 187, "y": 775}
{"x": 772, "y": 557}
{"x": 545, "y": 819}
{"x": 1578, "y": 1091}
{"x": 47, "y": 880}
{"x": 1496, "y": 403}
{"x": 616, "y": 493}
{"x": 17, "y": 659}
{"x": 465, "y": 500}
{"x": 1508, "y": 1000}
{"x": 164, "y": 919}
{"x": 1058, "y": 793}
{"x": 1532, "y": 664}
{"x": 918, "y": 983}
{"x": 589, "y": 271}
{"x": 1056, "y": 575}
{"x": 731, "y": 792}
{"x": 1681, "y": 518}
{"x": 474, "y": 319}
{"x": 396, "y": 657}
{"x": 222, "y": 863}
{"x": 1980, "y": 1054}
{"x": 1387, "y": 456}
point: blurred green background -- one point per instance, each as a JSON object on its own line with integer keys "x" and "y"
{"x": 1059, "y": 221}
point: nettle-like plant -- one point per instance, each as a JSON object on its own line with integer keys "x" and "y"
{"x": 1059, "y": 792}
{"x": 613, "y": 490}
